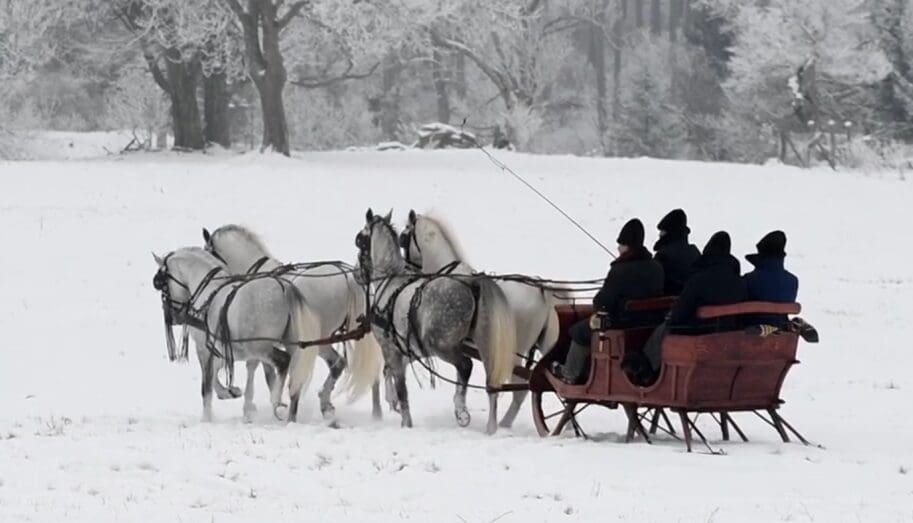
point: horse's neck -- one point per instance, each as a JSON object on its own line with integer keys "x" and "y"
{"x": 198, "y": 278}
{"x": 435, "y": 259}
{"x": 243, "y": 257}
{"x": 441, "y": 253}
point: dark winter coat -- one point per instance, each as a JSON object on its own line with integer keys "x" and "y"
{"x": 677, "y": 257}
{"x": 715, "y": 281}
{"x": 770, "y": 281}
{"x": 634, "y": 275}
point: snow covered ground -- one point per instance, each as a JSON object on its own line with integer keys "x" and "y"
{"x": 97, "y": 425}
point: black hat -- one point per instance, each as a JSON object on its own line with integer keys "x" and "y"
{"x": 718, "y": 244}
{"x": 675, "y": 221}
{"x": 772, "y": 245}
{"x": 632, "y": 234}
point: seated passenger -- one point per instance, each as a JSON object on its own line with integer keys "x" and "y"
{"x": 770, "y": 281}
{"x": 716, "y": 281}
{"x": 673, "y": 251}
{"x": 633, "y": 275}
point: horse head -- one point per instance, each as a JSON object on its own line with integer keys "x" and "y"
{"x": 378, "y": 248}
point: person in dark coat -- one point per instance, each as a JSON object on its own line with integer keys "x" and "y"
{"x": 673, "y": 251}
{"x": 770, "y": 281}
{"x": 716, "y": 281}
{"x": 633, "y": 275}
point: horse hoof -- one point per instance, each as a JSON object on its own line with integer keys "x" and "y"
{"x": 334, "y": 425}
{"x": 505, "y": 425}
{"x": 235, "y": 392}
{"x": 328, "y": 412}
{"x": 462, "y": 417}
{"x": 281, "y": 412}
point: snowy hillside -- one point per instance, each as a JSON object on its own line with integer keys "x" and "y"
{"x": 97, "y": 425}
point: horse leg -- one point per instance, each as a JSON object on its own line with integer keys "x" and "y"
{"x": 390, "y": 389}
{"x": 463, "y": 367}
{"x": 249, "y": 407}
{"x": 519, "y": 397}
{"x": 206, "y": 370}
{"x": 376, "y": 411}
{"x": 223, "y": 392}
{"x": 276, "y": 368}
{"x": 336, "y": 364}
{"x": 492, "y": 426}
{"x": 398, "y": 371}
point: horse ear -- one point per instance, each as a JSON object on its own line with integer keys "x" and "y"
{"x": 389, "y": 216}
{"x": 158, "y": 260}
{"x": 412, "y": 216}
{"x": 206, "y": 235}
{"x": 369, "y": 216}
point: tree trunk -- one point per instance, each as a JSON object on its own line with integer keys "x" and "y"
{"x": 185, "y": 112}
{"x": 262, "y": 28}
{"x": 597, "y": 59}
{"x": 461, "y": 75}
{"x": 617, "y": 33}
{"x": 275, "y": 127}
{"x": 440, "y": 85}
{"x": 217, "y": 128}
{"x": 389, "y": 105}
{"x": 656, "y": 18}
{"x": 676, "y": 10}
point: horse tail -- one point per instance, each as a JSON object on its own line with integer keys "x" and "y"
{"x": 496, "y": 332}
{"x": 303, "y": 327}
{"x": 365, "y": 359}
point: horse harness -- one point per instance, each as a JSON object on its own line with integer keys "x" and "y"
{"x": 383, "y": 316}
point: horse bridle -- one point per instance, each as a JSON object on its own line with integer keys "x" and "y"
{"x": 176, "y": 309}
{"x": 406, "y": 240}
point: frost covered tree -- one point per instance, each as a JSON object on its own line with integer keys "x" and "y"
{"x": 776, "y": 37}
{"x": 183, "y": 42}
{"x": 893, "y": 21}
{"x": 505, "y": 41}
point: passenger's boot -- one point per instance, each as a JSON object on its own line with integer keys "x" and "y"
{"x": 805, "y": 330}
{"x": 576, "y": 363}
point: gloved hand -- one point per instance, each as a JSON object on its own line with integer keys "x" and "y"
{"x": 596, "y": 322}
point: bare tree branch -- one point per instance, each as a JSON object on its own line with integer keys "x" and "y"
{"x": 237, "y": 9}
{"x": 311, "y": 83}
{"x": 292, "y": 12}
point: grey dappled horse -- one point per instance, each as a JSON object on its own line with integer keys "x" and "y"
{"x": 196, "y": 292}
{"x": 429, "y": 244}
{"x": 414, "y": 316}
{"x": 333, "y": 296}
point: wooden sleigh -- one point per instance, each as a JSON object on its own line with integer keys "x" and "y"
{"x": 719, "y": 373}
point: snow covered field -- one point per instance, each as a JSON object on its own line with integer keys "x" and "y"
{"x": 97, "y": 425}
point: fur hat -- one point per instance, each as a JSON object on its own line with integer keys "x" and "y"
{"x": 718, "y": 244}
{"x": 675, "y": 221}
{"x": 632, "y": 234}
{"x": 772, "y": 245}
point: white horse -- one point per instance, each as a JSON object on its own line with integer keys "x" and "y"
{"x": 335, "y": 297}
{"x": 415, "y": 316}
{"x": 429, "y": 245}
{"x": 235, "y": 320}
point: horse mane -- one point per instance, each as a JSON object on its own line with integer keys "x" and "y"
{"x": 200, "y": 254}
{"x": 448, "y": 235}
{"x": 248, "y": 235}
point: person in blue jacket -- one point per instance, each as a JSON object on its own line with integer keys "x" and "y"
{"x": 770, "y": 281}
